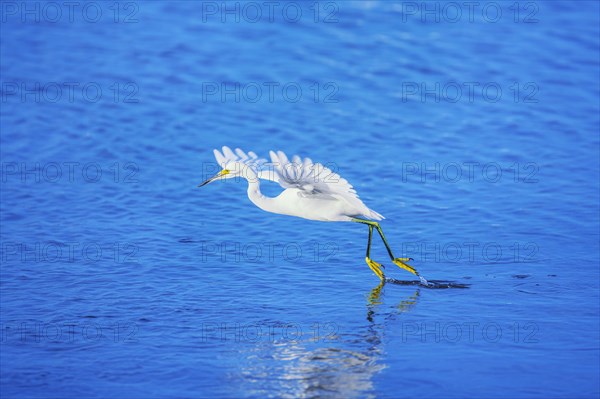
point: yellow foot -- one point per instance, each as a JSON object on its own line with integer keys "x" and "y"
{"x": 401, "y": 263}
{"x": 376, "y": 267}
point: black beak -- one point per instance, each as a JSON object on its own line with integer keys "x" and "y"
{"x": 206, "y": 182}
{"x": 218, "y": 175}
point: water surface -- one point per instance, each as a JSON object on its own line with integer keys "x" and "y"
{"x": 121, "y": 279}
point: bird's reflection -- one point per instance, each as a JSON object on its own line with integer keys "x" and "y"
{"x": 375, "y": 295}
{"x": 341, "y": 362}
{"x": 344, "y": 365}
{"x": 375, "y": 299}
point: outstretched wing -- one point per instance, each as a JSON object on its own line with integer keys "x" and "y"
{"x": 261, "y": 166}
{"x": 250, "y": 159}
{"x": 313, "y": 179}
{"x": 317, "y": 180}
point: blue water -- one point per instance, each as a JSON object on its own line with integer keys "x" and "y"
{"x": 121, "y": 279}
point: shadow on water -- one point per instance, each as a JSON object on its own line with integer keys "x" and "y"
{"x": 431, "y": 284}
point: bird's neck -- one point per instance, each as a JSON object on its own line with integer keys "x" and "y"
{"x": 259, "y": 199}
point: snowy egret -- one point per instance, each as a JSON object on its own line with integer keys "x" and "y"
{"x": 312, "y": 191}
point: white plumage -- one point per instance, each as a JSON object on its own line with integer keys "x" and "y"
{"x": 312, "y": 191}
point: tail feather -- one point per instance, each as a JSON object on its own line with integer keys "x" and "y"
{"x": 374, "y": 215}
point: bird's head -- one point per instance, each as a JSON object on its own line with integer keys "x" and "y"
{"x": 230, "y": 170}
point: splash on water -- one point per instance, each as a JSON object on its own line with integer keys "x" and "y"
{"x": 432, "y": 284}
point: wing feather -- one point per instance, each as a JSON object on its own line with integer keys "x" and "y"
{"x": 312, "y": 178}
{"x": 229, "y": 155}
{"x": 250, "y": 159}
{"x": 219, "y": 157}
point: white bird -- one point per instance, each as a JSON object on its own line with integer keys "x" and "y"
{"x": 312, "y": 191}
